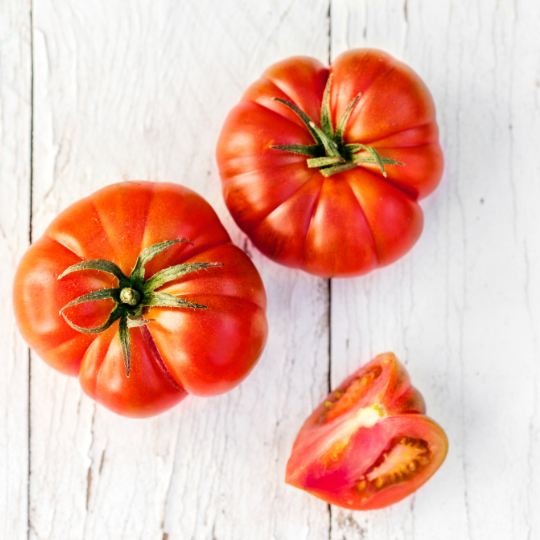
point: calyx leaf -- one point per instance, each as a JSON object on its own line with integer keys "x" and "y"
{"x": 130, "y": 311}
{"x": 330, "y": 154}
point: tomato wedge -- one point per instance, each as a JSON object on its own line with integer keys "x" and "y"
{"x": 369, "y": 444}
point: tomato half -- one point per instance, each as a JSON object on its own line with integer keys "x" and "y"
{"x": 323, "y": 168}
{"x": 369, "y": 444}
{"x": 171, "y": 306}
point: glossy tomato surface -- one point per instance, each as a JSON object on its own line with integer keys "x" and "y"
{"x": 369, "y": 444}
{"x": 199, "y": 351}
{"x": 351, "y": 222}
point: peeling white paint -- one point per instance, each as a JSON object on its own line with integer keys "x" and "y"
{"x": 139, "y": 90}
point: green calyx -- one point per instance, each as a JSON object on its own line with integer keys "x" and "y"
{"x": 133, "y": 295}
{"x": 330, "y": 154}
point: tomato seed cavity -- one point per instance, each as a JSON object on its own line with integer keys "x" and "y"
{"x": 341, "y": 400}
{"x": 402, "y": 459}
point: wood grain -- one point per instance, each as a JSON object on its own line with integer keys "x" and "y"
{"x": 15, "y": 151}
{"x": 461, "y": 310}
{"x": 139, "y": 91}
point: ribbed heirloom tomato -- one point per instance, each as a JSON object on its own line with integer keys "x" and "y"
{"x": 369, "y": 444}
{"x": 139, "y": 292}
{"x": 323, "y": 168}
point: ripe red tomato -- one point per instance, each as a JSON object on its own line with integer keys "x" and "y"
{"x": 369, "y": 444}
{"x": 336, "y": 196}
{"x": 170, "y": 300}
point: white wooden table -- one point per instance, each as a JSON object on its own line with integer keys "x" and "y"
{"x": 95, "y": 92}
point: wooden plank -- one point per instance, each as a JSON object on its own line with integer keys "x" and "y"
{"x": 15, "y": 151}
{"x": 462, "y": 309}
{"x": 139, "y": 90}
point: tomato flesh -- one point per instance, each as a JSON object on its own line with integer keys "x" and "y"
{"x": 368, "y": 445}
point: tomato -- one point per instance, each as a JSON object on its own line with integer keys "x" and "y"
{"x": 369, "y": 444}
{"x": 139, "y": 292}
{"x": 323, "y": 168}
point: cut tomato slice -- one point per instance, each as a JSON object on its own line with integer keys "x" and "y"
{"x": 369, "y": 444}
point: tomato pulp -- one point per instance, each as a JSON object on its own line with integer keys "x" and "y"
{"x": 323, "y": 168}
{"x": 369, "y": 444}
{"x": 189, "y": 305}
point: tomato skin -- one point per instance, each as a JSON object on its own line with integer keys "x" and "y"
{"x": 330, "y": 455}
{"x": 147, "y": 391}
{"x": 351, "y": 222}
{"x": 172, "y": 356}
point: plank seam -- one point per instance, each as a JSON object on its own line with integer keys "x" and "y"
{"x": 329, "y": 280}
{"x": 30, "y": 235}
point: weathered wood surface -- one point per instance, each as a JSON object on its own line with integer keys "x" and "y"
{"x": 139, "y": 90}
{"x": 15, "y": 152}
{"x": 462, "y": 309}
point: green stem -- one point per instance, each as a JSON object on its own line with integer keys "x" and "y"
{"x": 130, "y": 296}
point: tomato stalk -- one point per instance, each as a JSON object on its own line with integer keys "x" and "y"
{"x": 133, "y": 294}
{"x": 330, "y": 154}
